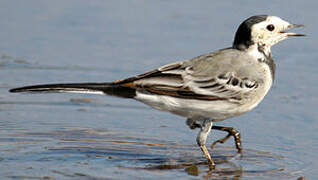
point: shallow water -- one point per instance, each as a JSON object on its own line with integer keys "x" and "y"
{"x": 75, "y": 136}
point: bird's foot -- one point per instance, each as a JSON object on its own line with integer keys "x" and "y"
{"x": 231, "y": 132}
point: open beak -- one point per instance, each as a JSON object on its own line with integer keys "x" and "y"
{"x": 292, "y": 26}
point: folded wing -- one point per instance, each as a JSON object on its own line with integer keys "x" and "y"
{"x": 179, "y": 80}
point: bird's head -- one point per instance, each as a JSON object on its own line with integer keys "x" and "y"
{"x": 264, "y": 31}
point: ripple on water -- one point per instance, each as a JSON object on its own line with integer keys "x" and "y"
{"x": 115, "y": 151}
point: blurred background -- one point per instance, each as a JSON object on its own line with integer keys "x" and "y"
{"x": 76, "y": 136}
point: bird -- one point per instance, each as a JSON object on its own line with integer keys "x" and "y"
{"x": 205, "y": 89}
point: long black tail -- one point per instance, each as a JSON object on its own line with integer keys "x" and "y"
{"x": 91, "y": 88}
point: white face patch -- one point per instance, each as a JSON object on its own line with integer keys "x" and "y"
{"x": 262, "y": 34}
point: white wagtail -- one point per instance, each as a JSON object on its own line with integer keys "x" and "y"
{"x": 208, "y": 88}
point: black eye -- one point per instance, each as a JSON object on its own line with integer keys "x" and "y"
{"x": 270, "y": 27}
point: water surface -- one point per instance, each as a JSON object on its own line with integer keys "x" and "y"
{"x": 75, "y": 136}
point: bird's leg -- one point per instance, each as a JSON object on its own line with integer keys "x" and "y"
{"x": 231, "y": 132}
{"x": 192, "y": 123}
{"x": 201, "y": 140}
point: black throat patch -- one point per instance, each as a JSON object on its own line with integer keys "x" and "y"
{"x": 272, "y": 66}
{"x": 268, "y": 59}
